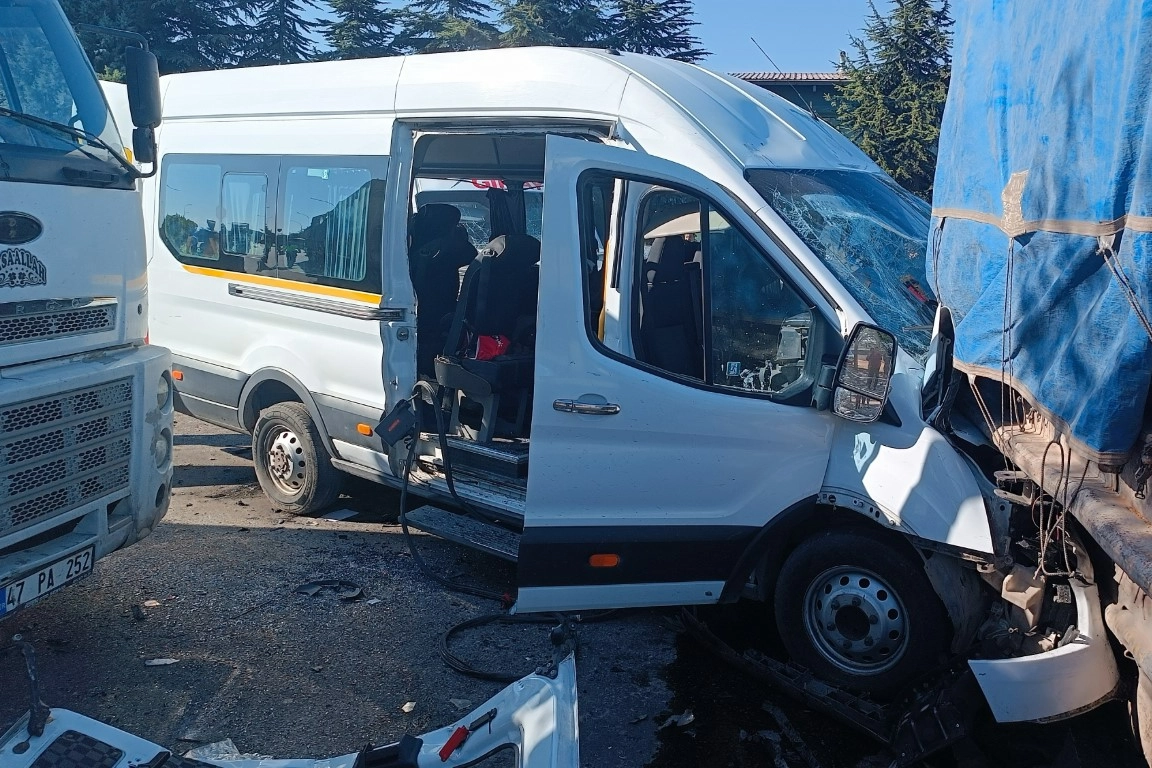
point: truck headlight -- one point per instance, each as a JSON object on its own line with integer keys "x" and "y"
{"x": 162, "y": 448}
{"x": 163, "y": 391}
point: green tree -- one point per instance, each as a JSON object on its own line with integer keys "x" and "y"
{"x": 363, "y": 28}
{"x": 656, "y": 27}
{"x": 281, "y": 33}
{"x": 185, "y": 35}
{"x": 448, "y": 25}
{"x": 893, "y": 101}
{"x": 553, "y": 22}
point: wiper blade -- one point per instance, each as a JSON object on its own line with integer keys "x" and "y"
{"x": 76, "y": 133}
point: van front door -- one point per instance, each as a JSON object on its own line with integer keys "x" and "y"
{"x": 675, "y": 361}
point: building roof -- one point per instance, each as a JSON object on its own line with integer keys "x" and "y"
{"x": 792, "y": 77}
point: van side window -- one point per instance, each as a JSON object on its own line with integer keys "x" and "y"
{"x": 243, "y": 213}
{"x": 307, "y": 219}
{"x": 699, "y": 299}
{"x": 331, "y": 225}
{"x": 190, "y": 211}
{"x": 759, "y": 325}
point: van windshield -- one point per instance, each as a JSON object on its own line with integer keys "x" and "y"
{"x": 48, "y": 91}
{"x": 870, "y": 233}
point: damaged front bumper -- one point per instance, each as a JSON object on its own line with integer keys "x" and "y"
{"x": 536, "y": 717}
{"x": 1073, "y": 678}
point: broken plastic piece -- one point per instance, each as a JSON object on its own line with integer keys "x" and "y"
{"x": 345, "y": 590}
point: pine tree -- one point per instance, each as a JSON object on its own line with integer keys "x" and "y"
{"x": 553, "y": 22}
{"x": 448, "y": 25}
{"x": 656, "y": 27}
{"x": 363, "y": 28}
{"x": 893, "y": 100}
{"x": 184, "y": 34}
{"x": 281, "y": 33}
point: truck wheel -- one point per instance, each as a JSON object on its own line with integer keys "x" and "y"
{"x": 859, "y": 612}
{"x": 292, "y": 464}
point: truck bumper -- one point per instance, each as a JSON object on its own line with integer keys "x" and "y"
{"x": 90, "y": 517}
{"x": 1059, "y": 683}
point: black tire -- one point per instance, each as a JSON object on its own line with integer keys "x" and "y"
{"x": 858, "y": 611}
{"x": 293, "y": 466}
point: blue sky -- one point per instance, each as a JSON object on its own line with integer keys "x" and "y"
{"x": 800, "y": 35}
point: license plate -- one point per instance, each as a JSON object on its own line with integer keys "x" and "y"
{"x": 48, "y": 579}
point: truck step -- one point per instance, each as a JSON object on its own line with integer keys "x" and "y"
{"x": 468, "y": 531}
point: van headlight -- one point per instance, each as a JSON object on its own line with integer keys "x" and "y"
{"x": 163, "y": 391}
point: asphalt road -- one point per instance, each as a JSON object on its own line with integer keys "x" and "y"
{"x": 286, "y": 674}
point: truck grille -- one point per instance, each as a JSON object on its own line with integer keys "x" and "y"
{"x": 59, "y": 453}
{"x": 55, "y": 318}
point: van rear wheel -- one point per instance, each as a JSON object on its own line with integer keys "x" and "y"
{"x": 859, "y": 612}
{"x": 293, "y": 466}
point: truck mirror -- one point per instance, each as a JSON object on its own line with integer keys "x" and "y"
{"x": 143, "y": 80}
{"x": 864, "y": 374}
{"x": 144, "y": 145}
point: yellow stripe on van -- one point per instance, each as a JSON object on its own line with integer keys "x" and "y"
{"x": 291, "y": 285}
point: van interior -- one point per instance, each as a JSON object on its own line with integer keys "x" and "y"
{"x": 474, "y": 258}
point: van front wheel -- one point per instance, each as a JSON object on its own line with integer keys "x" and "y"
{"x": 860, "y": 612}
{"x": 292, "y": 464}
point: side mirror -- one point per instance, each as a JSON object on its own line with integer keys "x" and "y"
{"x": 143, "y": 80}
{"x": 864, "y": 374}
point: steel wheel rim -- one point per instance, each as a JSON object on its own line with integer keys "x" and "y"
{"x": 284, "y": 457}
{"x": 855, "y": 620}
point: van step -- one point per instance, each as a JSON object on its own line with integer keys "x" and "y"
{"x": 508, "y": 458}
{"x": 461, "y": 529}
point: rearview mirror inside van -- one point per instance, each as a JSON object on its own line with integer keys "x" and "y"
{"x": 864, "y": 374}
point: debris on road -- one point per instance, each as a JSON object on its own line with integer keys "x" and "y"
{"x": 160, "y": 662}
{"x": 680, "y": 721}
{"x": 461, "y": 703}
{"x": 221, "y": 750}
{"x": 408, "y": 707}
{"x": 345, "y": 590}
{"x": 798, "y": 744}
{"x": 151, "y": 603}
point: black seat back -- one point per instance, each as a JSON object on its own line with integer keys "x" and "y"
{"x": 671, "y": 322}
{"x": 439, "y": 249}
{"x": 499, "y": 293}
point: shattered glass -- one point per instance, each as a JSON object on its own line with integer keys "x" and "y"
{"x": 870, "y": 233}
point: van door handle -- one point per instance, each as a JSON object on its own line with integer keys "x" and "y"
{"x": 588, "y": 409}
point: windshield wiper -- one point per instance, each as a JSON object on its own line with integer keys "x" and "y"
{"x": 76, "y": 133}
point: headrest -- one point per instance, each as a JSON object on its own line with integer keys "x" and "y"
{"x": 432, "y": 222}
{"x": 672, "y": 251}
{"x": 514, "y": 248}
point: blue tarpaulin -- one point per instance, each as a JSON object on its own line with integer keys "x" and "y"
{"x": 1042, "y": 210}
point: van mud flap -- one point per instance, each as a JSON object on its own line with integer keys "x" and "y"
{"x": 913, "y": 728}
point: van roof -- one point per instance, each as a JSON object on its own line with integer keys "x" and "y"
{"x": 756, "y": 127}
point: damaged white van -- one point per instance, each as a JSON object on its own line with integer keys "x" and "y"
{"x": 681, "y": 328}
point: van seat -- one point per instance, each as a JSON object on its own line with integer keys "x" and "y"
{"x": 670, "y": 327}
{"x": 498, "y": 298}
{"x": 438, "y": 250}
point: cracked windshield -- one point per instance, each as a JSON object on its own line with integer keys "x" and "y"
{"x": 870, "y": 233}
